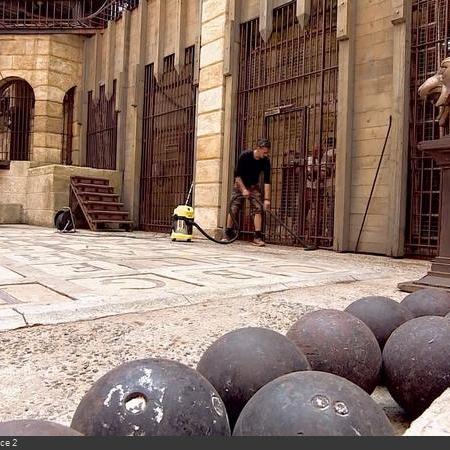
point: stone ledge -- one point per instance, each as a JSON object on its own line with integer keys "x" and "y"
{"x": 435, "y": 421}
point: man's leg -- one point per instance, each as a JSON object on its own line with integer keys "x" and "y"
{"x": 258, "y": 223}
{"x": 257, "y": 217}
{"x": 235, "y": 207}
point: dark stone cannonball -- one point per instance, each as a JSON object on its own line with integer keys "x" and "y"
{"x": 428, "y": 302}
{"x": 381, "y": 314}
{"x": 337, "y": 342}
{"x": 416, "y": 361}
{"x": 312, "y": 404}
{"x": 241, "y": 362}
{"x": 35, "y": 428}
{"x": 151, "y": 397}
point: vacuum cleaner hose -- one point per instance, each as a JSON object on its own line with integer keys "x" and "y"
{"x": 236, "y": 224}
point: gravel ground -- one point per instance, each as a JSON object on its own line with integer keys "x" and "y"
{"x": 45, "y": 370}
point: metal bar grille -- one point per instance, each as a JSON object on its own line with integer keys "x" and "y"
{"x": 67, "y": 136}
{"x": 27, "y": 16}
{"x": 288, "y": 92}
{"x": 16, "y": 120}
{"x": 102, "y": 131}
{"x": 430, "y": 44}
{"x": 168, "y": 142}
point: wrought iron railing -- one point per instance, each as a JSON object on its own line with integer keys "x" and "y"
{"x": 56, "y": 16}
{"x": 430, "y": 44}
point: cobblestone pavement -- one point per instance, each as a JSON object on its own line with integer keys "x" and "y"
{"x": 110, "y": 298}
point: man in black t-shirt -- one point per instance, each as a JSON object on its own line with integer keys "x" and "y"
{"x": 248, "y": 170}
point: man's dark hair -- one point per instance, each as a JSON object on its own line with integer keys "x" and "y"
{"x": 263, "y": 142}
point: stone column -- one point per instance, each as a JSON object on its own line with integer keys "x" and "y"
{"x": 210, "y": 114}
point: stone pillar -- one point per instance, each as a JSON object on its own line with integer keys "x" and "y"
{"x": 210, "y": 114}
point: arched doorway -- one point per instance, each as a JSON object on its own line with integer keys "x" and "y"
{"x": 67, "y": 136}
{"x": 16, "y": 120}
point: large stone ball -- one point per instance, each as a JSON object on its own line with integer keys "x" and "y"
{"x": 416, "y": 361}
{"x": 337, "y": 342}
{"x": 312, "y": 404}
{"x": 152, "y": 397}
{"x": 35, "y": 428}
{"x": 242, "y": 361}
{"x": 428, "y": 302}
{"x": 381, "y": 314}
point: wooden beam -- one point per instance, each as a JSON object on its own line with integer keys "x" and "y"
{"x": 265, "y": 18}
{"x": 196, "y": 79}
{"x": 400, "y": 11}
{"x": 343, "y": 19}
{"x": 398, "y": 158}
{"x": 303, "y": 12}
{"x": 180, "y": 35}
{"x": 110, "y": 37}
{"x": 344, "y": 133}
{"x": 160, "y": 11}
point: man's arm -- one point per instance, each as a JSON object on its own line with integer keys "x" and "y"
{"x": 238, "y": 179}
{"x": 242, "y": 187}
{"x": 267, "y": 169}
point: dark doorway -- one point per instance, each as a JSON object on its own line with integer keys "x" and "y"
{"x": 16, "y": 120}
{"x": 67, "y": 136}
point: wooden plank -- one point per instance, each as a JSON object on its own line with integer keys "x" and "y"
{"x": 180, "y": 35}
{"x": 265, "y": 18}
{"x": 160, "y": 12}
{"x": 400, "y": 128}
{"x": 303, "y": 12}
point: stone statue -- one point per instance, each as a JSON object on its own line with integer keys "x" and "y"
{"x": 438, "y": 88}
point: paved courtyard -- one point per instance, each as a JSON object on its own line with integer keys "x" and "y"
{"x": 73, "y": 306}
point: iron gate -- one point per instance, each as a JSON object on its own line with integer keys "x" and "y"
{"x": 67, "y": 136}
{"x": 16, "y": 120}
{"x": 168, "y": 142}
{"x": 102, "y": 131}
{"x": 288, "y": 91}
{"x": 430, "y": 45}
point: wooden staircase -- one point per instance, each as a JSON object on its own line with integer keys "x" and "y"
{"x": 100, "y": 206}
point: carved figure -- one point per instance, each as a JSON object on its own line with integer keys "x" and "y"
{"x": 438, "y": 88}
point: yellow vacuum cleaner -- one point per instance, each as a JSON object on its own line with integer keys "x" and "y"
{"x": 182, "y": 222}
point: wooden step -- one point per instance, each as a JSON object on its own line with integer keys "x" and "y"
{"x": 103, "y": 206}
{"x": 109, "y": 215}
{"x": 98, "y": 196}
{"x": 91, "y": 180}
{"x": 112, "y": 221}
{"x": 99, "y": 204}
{"x": 86, "y": 187}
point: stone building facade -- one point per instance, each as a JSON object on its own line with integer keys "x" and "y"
{"x": 369, "y": 81}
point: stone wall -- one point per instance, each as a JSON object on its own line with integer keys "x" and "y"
{"x": 48, "y": 188}
{"x": 51, "y": 65}
{"x": 32, "y": 195}
{"x": 13, "y": 189}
